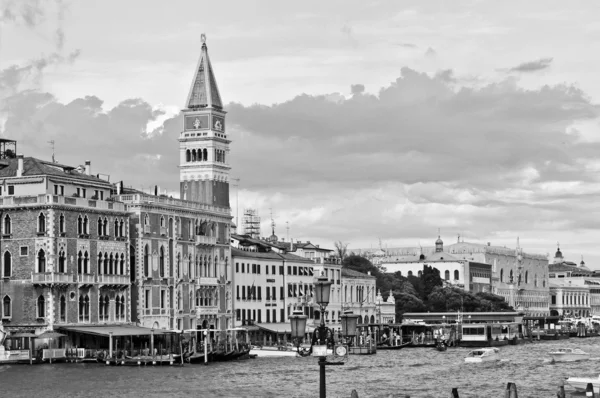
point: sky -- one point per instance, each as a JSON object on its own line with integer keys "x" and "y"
{"x": 367, "y": 122}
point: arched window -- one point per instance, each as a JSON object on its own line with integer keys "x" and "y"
{"x": 189, "y": 263}
{"x": 7, "y": 225}
{"x": 193, "y": 155}
{"x": 6, "y": 307}
{"x": 535, "y": 280}
{"x": 188, "y": 156}
{"x": 161, "y": 262}
{"x": 100, "y": 263}
{"x": 80, "y": 262}
{"x": 41, "y": 261}
{"x": 122, "y": 265}
{"x": 61, "y": 262}
{"x": 100, "y": 227}
{"x": 146, "y": 261}
{"x": 41, "y": 307}
{"x": 111, "y": 265}
{"x": 121, "y": 232}
{"x": 81, "y": 308}
{"x": 447, "y": 275}
{"x": 205, "y": 262}
{"x": 122, "y": 308}
{"x": 86, "y": 263}
{"x": 80, "y": 225}
{"x": 179, "y": 270}
{"x": 511, "y": 280}
{"x": 86, "y": 226}
{"x": 41, "y": 223}
{"x": 216, "y": 264}
{"x": 501, "y": 275}
{"x": 526, "y": 276}
{"x": 61, "y": 224}
{"x": 420, "y": 274}
{"x": 106, "y": 308}
{"x": 410, "y": 273}
{"x": 118, "y": 307}
{"x": 86, "y": 308}
{"x": 7, "y": 268}
{"x": 63, "y": 309}
{"x": 105, "y": 227}
{"x": 105, "y": 262}
{"x": 162, "y": 221}
{"x": 205, "y": 154}
{"x": 456, "y": 275}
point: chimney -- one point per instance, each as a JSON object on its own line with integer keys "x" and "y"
{"x": 156, "y": 190}
{"x": 489, "y": 243}
{"x": 291, "y": 244}
{"x": 88, "y": 167}
{"x": 19, "y": 165}
{"x": 119, "y": 187}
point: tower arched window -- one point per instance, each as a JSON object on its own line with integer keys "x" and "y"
{"x": 42, "y": 223}
{"x": 41, "y": 257}
{"x": 146, "y": 261}
{"x": 7, "y": 266}
{"x": 41, "y": 307}
{"x": 456, "y": 275}
{"x": 6, "y": 307}
{"x": 188, "y": 156}
{"x": 7, "y": 225}
{"x": 447, "y": 275}
{"x": 161, "y": 262}
{"x": 193, "y": 155}
{"x": 501, "y": 275}
{"x": 205, "y": 154}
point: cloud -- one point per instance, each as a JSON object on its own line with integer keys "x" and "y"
{"x": 430, "y": 52}
{"x": 407, "y": 45}
{"x": 357, "y": 88}
{"x": 532, "y": 66}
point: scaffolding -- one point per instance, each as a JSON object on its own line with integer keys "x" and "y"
{"x": 8, "y": 149}
{"x": 251, "y": 223}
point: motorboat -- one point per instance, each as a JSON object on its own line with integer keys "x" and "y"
{"x": 569, "y": 354}
{"x": 580, "y": 383}
{"x": 483, "y": 355}
{"x": 273, "y": 351}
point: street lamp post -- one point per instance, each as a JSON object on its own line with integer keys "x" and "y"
{"x": 322, "y": 337}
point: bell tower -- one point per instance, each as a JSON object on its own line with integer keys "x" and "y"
{"x": 203, "y": 143}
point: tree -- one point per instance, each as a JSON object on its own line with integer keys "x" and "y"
{"x": 406, "y": 302}
{"x": 341, "y": 249}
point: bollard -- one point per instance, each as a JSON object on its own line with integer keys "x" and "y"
{"x": 589, "y": 391}
{"x": 454, "y": 393}
{"x": 561, "y": 390}
{"x": 354, "y": 394}
{"x": 511, "y": 391}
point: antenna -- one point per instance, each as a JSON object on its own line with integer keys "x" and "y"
{"x": 272, "y": 220}
{"x": 51, "y": 142}
{"x": 287, "y": 228}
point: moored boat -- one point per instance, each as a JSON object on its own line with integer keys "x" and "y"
{"x": 580, "y": 383}
{"x": 273, "y": 351}
{"x": 393, "y": 347}
{"x": 483, "y": 355}
{"x": 569, "y": 354}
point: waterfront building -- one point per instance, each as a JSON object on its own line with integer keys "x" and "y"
{"x": 64, "y": 247}
{"x": 520, "y": 277}
{"x": 386, "y": 309}
{"x": 469, "y": 275}
{"x": 358, "y": 295}
{"x": 268, "y": 284}
{"x": 574, "y": 289}
{"x": 180, "y": 247}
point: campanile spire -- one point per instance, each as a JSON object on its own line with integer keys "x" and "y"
{"x": 203, "y": 143}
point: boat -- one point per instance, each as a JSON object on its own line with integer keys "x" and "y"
{"x": 580, "y": 383}
{"x": 393, "y": 347}
{"x": 569, "y": 354}
{"x": 272, "y": 351}
{"x": 492, "y": 334}
{"x": 483, "y": 355}
{"x": 441, "y": 346}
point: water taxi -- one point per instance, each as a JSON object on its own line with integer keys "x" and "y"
{"x": 569, "y": 354}
{"x": 273, "y": 351}
{"x": 483, "y": 355}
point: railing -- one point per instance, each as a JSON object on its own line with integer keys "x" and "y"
{"x": 146, "y": 229}
{"x": 207, "y": 281}
{"x": 206, "y": 240}
{"x": 54, "y": 353}
{"x": 332, "y": 261}
{"x": 86, "y": 278}
{"x": 206, "y": 311}
{"x": 141, "y": 198}
{"x": 50, "y": 277}
{"x": 114, "y": 279}
{"x": 61, "y": 200}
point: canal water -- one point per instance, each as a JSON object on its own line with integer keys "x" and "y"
{"x": 418, "y": 372}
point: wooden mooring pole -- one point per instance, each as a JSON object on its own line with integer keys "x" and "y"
{"x": 511, "y": 391}
{"x": 561, "y": 390}
{"x": 454, "y": 393}
{"x": 589, "y": 391}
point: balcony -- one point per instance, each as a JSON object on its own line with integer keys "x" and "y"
{"x": 86, "y": 279}
{"x": 113, "y": 279}
{"x": 50, "y": 278}
{"x": 206, "y": 240}
{"x": 163, "y": 231}
{"x": 201, "y": 311}
{"x": 146, "y": 229}
{"x": 183, "y": 204}
{"x": 36, "y": 200}
{"x": 207, "y": 281}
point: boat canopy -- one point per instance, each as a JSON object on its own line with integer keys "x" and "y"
{"x": 281, "y": 328}
{"x": 116, "y": 330}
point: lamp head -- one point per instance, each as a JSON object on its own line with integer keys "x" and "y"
{"x": 349, "y": 323}
{"x": 298, "y": 324}
{"x": 322, "y": 290}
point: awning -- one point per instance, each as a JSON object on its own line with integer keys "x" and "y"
{"x": 117, "y": 330}
{"x": 281, "y": 328}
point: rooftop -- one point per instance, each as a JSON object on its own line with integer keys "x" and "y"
{"x": 350, "y": 273}
{"x": 37, "y": 167}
